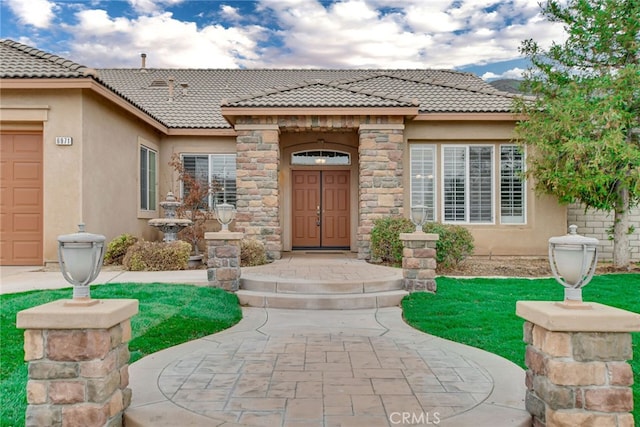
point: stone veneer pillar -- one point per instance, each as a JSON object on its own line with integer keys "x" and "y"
{"x": 381, "y": 178}
{"x": 223, "y": 264}
{"x": 257, "y": 167}
{"x": 419, "y": 261}
{"x": 577, "y": 370}
{"x": 78, "y": 363}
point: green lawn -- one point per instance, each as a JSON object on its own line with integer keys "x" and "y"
{"x": 168, "y": 315}
{"x": 481, "y": 312}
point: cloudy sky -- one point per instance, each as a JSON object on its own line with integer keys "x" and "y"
{"x": 481, "y": 36}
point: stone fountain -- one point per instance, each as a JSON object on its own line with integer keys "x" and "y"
{"x": 170, "y": 225}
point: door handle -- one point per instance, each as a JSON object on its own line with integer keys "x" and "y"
{"x": 318, "y": 216}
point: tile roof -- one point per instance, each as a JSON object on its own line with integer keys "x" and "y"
{"x": 320, "y": 94}
{"x": 196, "y": 95}
{"x": 18, "y": 60}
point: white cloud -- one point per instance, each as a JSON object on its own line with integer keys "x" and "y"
{"x": 152, "y": 6}
{"x": 103, "y": 41}
{"x": 230, "y": 12}
{"x": 308, "y": 33}
{"x": 514, "y": 73}
{"x": 38, "y": 13}
{"x": 414, "y": 34}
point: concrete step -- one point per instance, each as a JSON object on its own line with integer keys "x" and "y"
{"x": 305, "y": 286}
{"x": 317, "y": 301}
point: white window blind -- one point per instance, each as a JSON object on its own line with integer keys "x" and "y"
{"x": 455, "y": 189}
{"x": 468, "y": 184}
{"x": 148, "y": 167}
{"x": 423, "y": 172}
{"x": 512, "y": 186}
{"x": 217, "y": 170}
{"x": 480, "y": 184}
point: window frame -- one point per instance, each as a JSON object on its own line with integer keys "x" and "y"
{"x": 524, "y": 186}
{"x": 435, "y": 196}
{"x": 467, "y": 198}
{"x": 147, "y": 211}
{"x": 213, "y": 198}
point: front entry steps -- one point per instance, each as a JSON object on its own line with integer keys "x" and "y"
{"x": 320, "y": 295}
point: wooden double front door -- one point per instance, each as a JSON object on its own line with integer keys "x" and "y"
{"x": 321, "y": 209}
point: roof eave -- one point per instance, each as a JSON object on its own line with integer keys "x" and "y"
{"x": 468, "y": 116}
{"x": 231, "y": 113}
{"x": 81, "y": 83}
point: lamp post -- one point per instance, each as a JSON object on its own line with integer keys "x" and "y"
{"x": 80, "y": 256}
{"x": 225, "y": 214}
{"x": 573, "y": 260}
{"x": 418, "y": 217}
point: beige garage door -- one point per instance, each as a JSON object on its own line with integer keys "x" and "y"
{"x": 21, "y": 213}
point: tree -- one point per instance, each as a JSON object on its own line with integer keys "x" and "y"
{"x": 583, "y": 124}
{"x": 195, "y": 203}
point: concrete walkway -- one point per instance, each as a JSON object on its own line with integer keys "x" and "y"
{"x": 310, "y": 368}
{"x": 325, "y": 368}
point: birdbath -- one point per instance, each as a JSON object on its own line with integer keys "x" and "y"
{"x": 170, "y": 225}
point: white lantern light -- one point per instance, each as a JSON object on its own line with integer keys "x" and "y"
{"x": 225, "y": 214}
{"x": 573, "y": 260}
{"x": 80, "y": 256}
{"x": 418, "y": 217}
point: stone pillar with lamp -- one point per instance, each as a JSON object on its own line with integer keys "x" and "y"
{"x": 577, "y": 352}
{"x": 77, "y": 349}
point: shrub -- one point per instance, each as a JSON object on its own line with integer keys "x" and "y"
{"x": 252, "y": 253}
{"x": 157, "y": 256}
{"x": 117, "y": 248}
{"x": 385, "y": 239}
{"x": 454, "y": 245}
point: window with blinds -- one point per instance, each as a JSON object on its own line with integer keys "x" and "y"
{"x": 423, "y": 172}
{"x": 512, "y": 185}
{"x": 215, "y": 170}
{"x": 468, "y": 184}
{"x": 148, "y": 168}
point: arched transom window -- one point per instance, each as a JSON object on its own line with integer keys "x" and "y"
{"x": 320, "y": 157}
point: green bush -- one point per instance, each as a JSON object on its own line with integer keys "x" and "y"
{"x": 117, "y": 248}
{"x": 386, "y": 246}
{"x": 252, "y": 253}
{"x": 157, "y": 256}
{"x": 454, "y": 245}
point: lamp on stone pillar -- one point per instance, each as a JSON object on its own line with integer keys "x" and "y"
{"x": 80, "y": 256}
{"x": 225, "y": 214}
{"x": 573, "y": 260}
{"x": 418, "y": 217}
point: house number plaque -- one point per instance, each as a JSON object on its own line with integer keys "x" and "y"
{"x": 64, "y": 140}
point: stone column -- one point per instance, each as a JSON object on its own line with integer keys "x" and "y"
{"x": 419, "y": 261}
{"x": 381, "y": 181}
{"x": 577, "y": 370}
{"x": 78, "y": 363}
{"x": 223, "y": 265}
{"x": 258, "y": 192}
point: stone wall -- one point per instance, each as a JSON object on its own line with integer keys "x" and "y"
{"x": 578, "y": 378}
{"x": 595, "y": 224}
{"x": 258, "y": 163}
{"x": 381, "y": 178}
{"x": 78, "y": 377}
